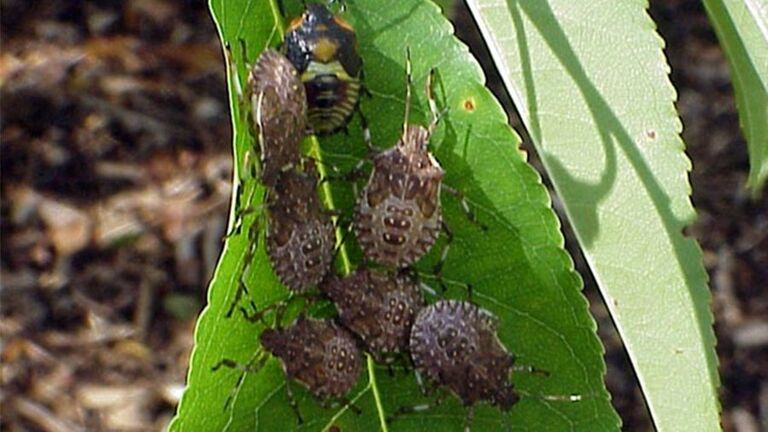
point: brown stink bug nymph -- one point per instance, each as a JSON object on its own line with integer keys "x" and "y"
{"x": 277, "y": 102}
{"x": 279, "y": 110}
{"x": 319, "y": 354}
{"x": 300, "y": 233}
{"x": 379, "y": 307}
{"x": 455, "y": 345}
{"x": 398, "y": 217}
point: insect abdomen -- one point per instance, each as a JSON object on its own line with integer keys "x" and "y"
{"x": 332, "y": 96}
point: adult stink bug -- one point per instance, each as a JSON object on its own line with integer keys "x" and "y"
{"x": 319, "y": 354}
{"x": 379, "y": 307}
{"x": 323, "y": 48}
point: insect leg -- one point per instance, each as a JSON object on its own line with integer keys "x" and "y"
{"x": 342, "y": 4}
{"x": 259, "y": 314}
{"x": 505, "y": 421}
{"x": 366, "y": 132}
{"x": 242, "y": 289}
{"x": 471, "y": 216}
{"x": 241, "y": 210}
{"x": 345, "y": 403}
{"x": 353, "y": 175}
{"x": 468, "y": 419}
{"x": 417, "y": 408}
{"x": 527, "y": 368}
{"x": 292, "y": 400}
{"x": 425, "y": 388}
{"x": 313, "y": 160}
{"x": 254, "y": 365}
{"x": 280, "y": 307}
{"x": 552, "y": 398}
{"x": 250, "y": 161}
{"x": 437, "y": 270}
{"x": 242, "y": 113}
{"x": 394, "y": 363}
{"x": 530, "y": 369}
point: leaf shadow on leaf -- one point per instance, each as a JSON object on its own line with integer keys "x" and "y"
{"x": 591, "y": 194}
{"x": 613, "y": 133}
{"x": 362, "y": 25}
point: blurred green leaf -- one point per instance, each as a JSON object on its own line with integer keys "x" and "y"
{"x": 590, "y": 81}
{"x": 742, "y": 27}
{"x": 518, "y": 268}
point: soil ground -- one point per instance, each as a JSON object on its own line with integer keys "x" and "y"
{"x": 116, "y": 164}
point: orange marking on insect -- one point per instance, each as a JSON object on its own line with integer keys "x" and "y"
{"x": 343, "y": 23}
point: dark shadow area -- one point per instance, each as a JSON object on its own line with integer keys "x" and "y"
{"x": 592, "y": 194}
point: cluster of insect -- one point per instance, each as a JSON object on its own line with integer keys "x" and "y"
{"x": 312, "y": 85}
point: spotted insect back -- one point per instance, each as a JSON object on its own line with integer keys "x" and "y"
{"x": 455, "y": 344}
{"x": 323, "y": 48}
{"x": 398, "y": 217}
{"x": 300, "y": 233}
{"x": 321, "y": 355}
{"x": 379, "y": 307}
{"x": 279, "y": 110}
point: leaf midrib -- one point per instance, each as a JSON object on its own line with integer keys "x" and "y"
{"x": 327, "y": 198}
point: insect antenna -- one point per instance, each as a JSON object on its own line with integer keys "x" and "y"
{"x": 432, "y": 104}
{"x": 408, "y": 82}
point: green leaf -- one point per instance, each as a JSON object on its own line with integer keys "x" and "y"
{"x": 446, "y": 6}
{"x": 518, "y": 268}
{"x": 590, "y": 81}
{"x": 742, "y": 27}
